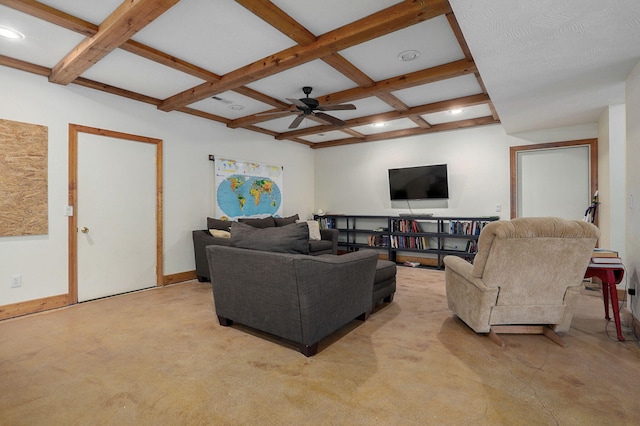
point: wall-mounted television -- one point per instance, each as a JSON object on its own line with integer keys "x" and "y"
{"x": 419, "y": 183}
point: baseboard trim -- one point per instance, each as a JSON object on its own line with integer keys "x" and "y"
{"x": 179, "y": 277}
{"x": 33, "y": 306}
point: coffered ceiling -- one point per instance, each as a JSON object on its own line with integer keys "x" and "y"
{"x": 404, "y": 65}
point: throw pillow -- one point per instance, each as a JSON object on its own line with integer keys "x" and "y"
{"x": 221, "y": 224}
{"x": 266, "y": 222}
{"x": 314, "y": 229}
{"x": 292, "y": 238}
{"x": 284, "y": 221}
{"x": 220, "y": 233}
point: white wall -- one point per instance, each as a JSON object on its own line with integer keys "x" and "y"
{"x": 632, "y": 102}
{"x": 352, "y": 179}
{"x": 611, "y": 178}
{"x": 188, "y": 174}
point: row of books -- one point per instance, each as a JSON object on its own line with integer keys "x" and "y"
{"x": 466, "y": 227}
{"x": 378, "y": 241}
{"x": 605, "y": 257}
{"x": 327, "y": 222}
{"x": 418, "y": 243}
{"x": 405, "y": 225}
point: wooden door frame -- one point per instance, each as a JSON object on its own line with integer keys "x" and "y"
{"x": 74, "y": 131}
{"x": 592, "y": 144}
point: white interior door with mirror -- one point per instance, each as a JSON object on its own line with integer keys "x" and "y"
{"x": 116, "y": 216}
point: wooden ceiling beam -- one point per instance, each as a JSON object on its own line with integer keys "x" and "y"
{"x": 376, "y": 25}
{"x": 426, "y": 76}
{"x": 462, "y": 102}
{"x": 70, "y": 22}
{"x": 473, "y": 122}
{"x": 129, "y": 18}
{"x": 380, "y": 89}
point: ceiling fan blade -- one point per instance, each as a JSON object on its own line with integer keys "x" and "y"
{"x": 337, "y": 107}
{"x": 275, "y": 113}
{"x": 296, "y": 122}
{"x": 329, "y": 119}
{"x": 297, "y": 102}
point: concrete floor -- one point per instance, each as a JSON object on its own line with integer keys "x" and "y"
{"x": 159, "y": 357}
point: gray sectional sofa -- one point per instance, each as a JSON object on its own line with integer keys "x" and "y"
{"x": 328, "y": 244}
{"x": 297, "y": 297}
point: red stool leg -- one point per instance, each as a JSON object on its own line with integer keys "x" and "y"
{"x": 616, "y": 309}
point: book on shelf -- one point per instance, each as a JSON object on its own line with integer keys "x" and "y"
{"x": 606, "y": 260}
{"x": 599, "y": 252}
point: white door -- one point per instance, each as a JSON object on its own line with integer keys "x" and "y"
{"x": 116, "y": 216}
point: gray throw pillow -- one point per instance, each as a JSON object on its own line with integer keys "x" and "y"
{"x": 220, "y": 224}
{"x": 266, "y": 222}
{"x": 292, "y": 238}
{"x": 284, "y": 221}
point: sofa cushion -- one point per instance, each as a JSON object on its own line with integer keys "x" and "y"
{"x": 284, "y": 221}
{"x": 292, "y": 238}
{"x": 266, "y": 222}
{"x": 220, "y": 224}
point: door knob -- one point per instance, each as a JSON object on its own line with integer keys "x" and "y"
{"x": 84, "y": 230}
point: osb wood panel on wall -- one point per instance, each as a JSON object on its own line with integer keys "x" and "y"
{"x": 23, "y": 179}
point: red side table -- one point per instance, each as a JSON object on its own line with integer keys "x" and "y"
{"x": 610, "y": 275}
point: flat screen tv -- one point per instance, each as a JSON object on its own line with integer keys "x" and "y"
{"x": 419, "y": 183}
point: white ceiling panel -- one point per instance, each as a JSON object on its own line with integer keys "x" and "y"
{"x": 364, "y": 107}
{"x": 401, "y": 124}
{"x": 230, "y": 105}
{"x": 465, "y": 85}
{"x": 467, "y": 113}
{"x": 434, "y": 39}
{"x": 219, "y": 36}
{"x": 288, "y": 84}
{"x": 43, "y": 44}
{"x": 90, "y": 11}
{"x": 320, "y": 17}
{"x": 131, "y": 72}
{"x": 325, "y": 137}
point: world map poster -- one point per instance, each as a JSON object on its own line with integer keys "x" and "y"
{"x": 247, "y": 189}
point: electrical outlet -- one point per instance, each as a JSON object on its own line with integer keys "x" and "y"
{"x": 498, "y": 207}
{"x": 16, "y": 281}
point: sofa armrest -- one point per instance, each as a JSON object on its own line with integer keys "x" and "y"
{"x": 331, "y": 235}
{"x": 201, "y": 239}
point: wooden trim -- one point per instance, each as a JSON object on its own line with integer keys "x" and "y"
{"x": 33, "y": 306}
{"x": 74, "y": 130}
{"x": 179, "y": 277}
{"x": 513, "y": 165}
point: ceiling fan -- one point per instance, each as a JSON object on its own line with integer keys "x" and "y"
{"x": 310, "y": 106}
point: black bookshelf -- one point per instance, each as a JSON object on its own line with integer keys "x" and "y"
{"x": 435, "y": 236}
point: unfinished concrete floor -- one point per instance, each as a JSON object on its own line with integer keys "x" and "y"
{"x": 159, "y": 357}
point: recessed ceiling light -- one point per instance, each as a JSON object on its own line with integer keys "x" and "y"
{"x": 11, "y": 33}
{"x": 379, "y": 124}
{"x": 236, "y": 107}
{"x": 408, "y": 55}
{"x": 455, "y": 111}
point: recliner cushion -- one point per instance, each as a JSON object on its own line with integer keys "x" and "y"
{"x": 293, "y": 238}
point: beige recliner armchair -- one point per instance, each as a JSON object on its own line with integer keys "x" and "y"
{"x": 526, "y": 276}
